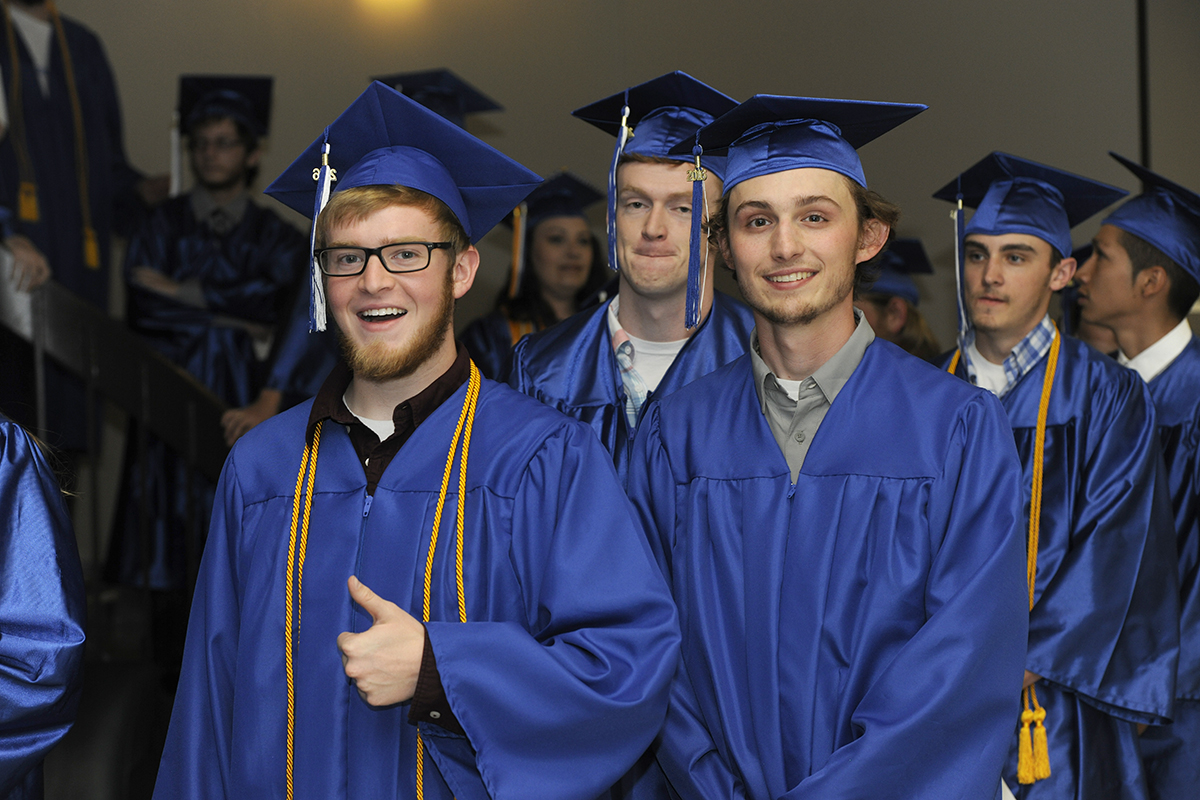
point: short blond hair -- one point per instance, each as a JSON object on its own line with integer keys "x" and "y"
{"x": 356, "y": 204}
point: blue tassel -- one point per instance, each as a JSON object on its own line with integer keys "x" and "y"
{"x": 324, "y": 176}
{"x": 695, "y": 269}
{"x": 622, "y": 138}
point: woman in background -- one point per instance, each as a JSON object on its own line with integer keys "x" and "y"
{"x": 890, "y": 305}
{"x": 562, "y": 268}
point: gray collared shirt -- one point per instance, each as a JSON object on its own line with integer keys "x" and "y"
{"x": 794, "y": 423}
{"x": 221, "y": 220}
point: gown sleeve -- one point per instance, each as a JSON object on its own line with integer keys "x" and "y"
{"x": 197, "y": 757}
{"x": 42, "y": 607}
{"x": 574, "y": 693}
{"x": 1105, "y": 623}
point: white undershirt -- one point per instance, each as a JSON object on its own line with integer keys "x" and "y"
{"x": 1158, "y": 356}
{"x": 791, "y": 388}
{"x": 37, "y": 35}
{"x": 653, "y": 359}
{"x": 383, "y": 428}
{"x": 987, "y": 375}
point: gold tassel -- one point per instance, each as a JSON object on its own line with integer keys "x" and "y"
{"x": 91, "y": 249}
{"x": 27, "y": 204}
{"x": 1041, "y": 748}
{"x": 1025, "y": 771}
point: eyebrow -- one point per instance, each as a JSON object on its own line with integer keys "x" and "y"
{"x": 674, "y": 197}
{"x": 1008, "y": 248}
{"x": 797, "y": 202}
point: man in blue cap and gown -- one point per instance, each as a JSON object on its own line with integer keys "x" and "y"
{"x": 667, "y": 325}
{"x": 839, "y": 521}
{"x": 1141, "y": 280}
{"x": 1103, "y": 619}
{"x": 516, "y": 640}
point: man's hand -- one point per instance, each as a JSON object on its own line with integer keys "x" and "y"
{"x": 236, "y": 421}
{"x": 1030, "y": 679}
{"x": 384, "y": 660}
{"x": 30, "y": 267}
{"x": 155, "y": 281}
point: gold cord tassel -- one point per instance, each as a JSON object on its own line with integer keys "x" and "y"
{"x": 91, "y": 248}
{"x": 1041, "y": 748}
{"x": 1025, "y": 746}
{"x": 27, "y": 204}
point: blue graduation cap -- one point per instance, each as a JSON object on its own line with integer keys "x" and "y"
{"x": 384, "y": 138}
{"x": 442, "y": 92}
{"x": 1165, "y": 214}
{"x": 563, "y": 195}
{"x": 246, "y": 99}
{"x": 902, "y": 259}
{"x": 652, "y": 119}
{"x": 1015, "y": 195}
{"x": 774, "y": 133}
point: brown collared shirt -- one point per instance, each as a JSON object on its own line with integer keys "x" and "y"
{"x": 429, "y": 700}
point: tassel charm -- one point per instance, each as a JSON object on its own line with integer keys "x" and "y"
{"x": 91, "y": 249}
{"x": 27, "y": 203}
{"x": 324, "y": 175}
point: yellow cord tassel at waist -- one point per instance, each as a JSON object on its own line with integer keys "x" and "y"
{"x": 1033, "y": 749}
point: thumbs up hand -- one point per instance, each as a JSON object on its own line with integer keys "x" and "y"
{"x": 384, "y": 660}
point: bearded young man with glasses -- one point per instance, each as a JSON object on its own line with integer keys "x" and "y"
{"x": 516, "y": 639}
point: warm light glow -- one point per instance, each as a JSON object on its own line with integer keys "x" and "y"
{"x": 392, "y": 7}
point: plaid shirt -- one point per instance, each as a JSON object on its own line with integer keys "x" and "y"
{"x": 1028, "y": 352}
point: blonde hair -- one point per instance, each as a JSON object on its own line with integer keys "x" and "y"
{"x": 356, "y": 204}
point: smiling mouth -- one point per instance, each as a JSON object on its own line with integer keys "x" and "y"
{"x": 792, "y": 277}
{"x": 381, "y": 314}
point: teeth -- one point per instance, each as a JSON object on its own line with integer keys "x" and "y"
{"x": 795, "y": 276}
{"x": 382, "y": 312}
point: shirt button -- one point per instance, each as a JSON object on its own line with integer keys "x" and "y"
{"x": 367, "y": 463}
{"x": 800, "y": 436}
{"x": 435, "y": 715}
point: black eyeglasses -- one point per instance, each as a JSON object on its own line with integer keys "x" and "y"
{"x": 345, "y": 262}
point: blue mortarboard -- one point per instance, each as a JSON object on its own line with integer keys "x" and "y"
{"x": 1165, "y": 215}
{"x": 901, "y": 259}
{"x": 443, "y": 92}
{"x": 563, "y": 195}
{"x": 652, "y": 119}
{"x": 1015, "y": 195}
{"x": 384, "y": 138}
{"x": 773, "y": 133}
{"x": 243, "y": 98}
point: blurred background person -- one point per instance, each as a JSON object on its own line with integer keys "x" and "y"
{"x": 559, "y": 267}
{"x": 890, "y": 304}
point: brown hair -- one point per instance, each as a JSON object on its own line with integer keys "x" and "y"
{"x": 1143, "y": 255}
{"x": 356, "y": 204}
{"x": 916, "y": 336}
{"x": 868, "y": 205}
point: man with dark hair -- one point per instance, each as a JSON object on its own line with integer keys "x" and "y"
{"x": 1141, "y": 282}
{"x": 1103, "y": 617}
{"x": 606, "y": 365}
{"x": 211, "y": 278}
{"x": 839, "y": 521}
{"x": 516, "y": 640}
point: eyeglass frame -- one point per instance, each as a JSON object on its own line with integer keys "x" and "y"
{"x": 378, "y": 253}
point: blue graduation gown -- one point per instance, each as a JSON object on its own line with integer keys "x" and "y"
{"x": 42, "y": 608}
{"x": 857, "y": 634}
{"x": 249, "y": 274}
{"x": 572, "y": 367}
{"x": 1103, "y": 631}
{"x": 58, "y": 233}
{"x": 559, "y": 678}
{"x": 489, "y": 340}
{"x": 1172, "y": 752}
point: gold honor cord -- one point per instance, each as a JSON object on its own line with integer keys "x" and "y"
{"x": 1033, "y": 749}
{"x": 27, "y": 204}
{"x": 519, "y": 328}
{"x": 466, "y": 421}
{"x": 306, "y": 479}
